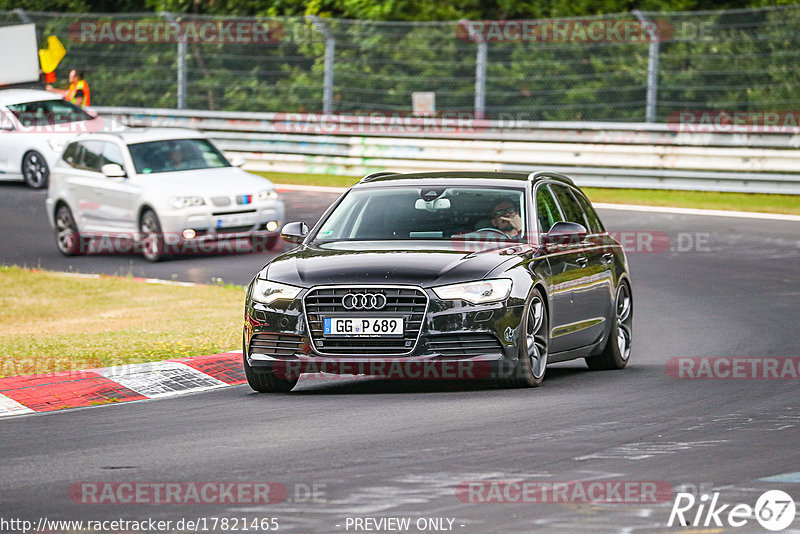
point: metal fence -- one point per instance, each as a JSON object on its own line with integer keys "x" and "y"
{"x": 588, "y": 69}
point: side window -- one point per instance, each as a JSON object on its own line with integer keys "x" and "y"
{"x": 112, "y": 154}
{"x": 91, "y": 157}
{"x": 595, "y": 226}
{"x": 572, "y": 210}
{"x": 70, "y": 154}
{"x": 546, "y": 209}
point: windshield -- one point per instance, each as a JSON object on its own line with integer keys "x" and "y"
{"x": 176, "y": 155}
{"x": 429, "y": 213}
{"x": 47, "y": 112}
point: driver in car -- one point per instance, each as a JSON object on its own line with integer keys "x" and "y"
{"x": 506, "y": 218}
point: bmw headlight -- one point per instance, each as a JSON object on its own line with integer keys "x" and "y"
{"x": 185, "y": 202}
{"x": 267, "y": 194}
{"x": 56, "y": 145}
{"x": 479, "y": 292}
{"x": 268, "y": 292}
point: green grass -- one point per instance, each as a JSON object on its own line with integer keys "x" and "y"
{"x": 789, "y": 204}
{"x": 51, "y": 323}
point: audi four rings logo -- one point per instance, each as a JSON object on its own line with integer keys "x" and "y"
{"x": 364, "y": 301}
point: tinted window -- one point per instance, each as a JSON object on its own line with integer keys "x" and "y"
{"x": 546, "y": 209}
{"x": 595, "y": 226}
{"x": 408, "y": 213}
{"x": 176, "y": 155}
{"x": 572, "y": 210}
{"x": 91, "y": 157}
{"x": 47, "y": 112}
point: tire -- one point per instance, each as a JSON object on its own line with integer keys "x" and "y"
{"x": 272, "y": 243}
{"x": 617, "y": 351}
{"x": 35, "y": 170}
{"x": 265, "y": 382}
{"x": 533, "y": 344}
{"x": 152, "y": 237}
{"x": 68, "y": 240}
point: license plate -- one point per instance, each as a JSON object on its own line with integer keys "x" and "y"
{"x": 363, "y": 326}
{"x": 226, "y": 221}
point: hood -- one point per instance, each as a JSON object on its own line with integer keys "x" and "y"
{"x": 423, "y": 263}
{"x": 223, "y": 181}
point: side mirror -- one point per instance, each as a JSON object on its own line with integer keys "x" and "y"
{"x": 565, "y": 233}
{"x": 112, "y": 170}
{"x": 238, "y": 160}
{"x": 294, "y": 232}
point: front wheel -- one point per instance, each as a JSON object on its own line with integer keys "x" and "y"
{"x": 265, "y": 382}
{"x": 35, "y": 170}
{"x": 533, "y": 343}
{"x": 152, "y": 237}
{"x": 617, "y": 351}
{"x": 68, "y": 240}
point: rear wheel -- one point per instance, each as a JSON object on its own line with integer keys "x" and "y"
{"x": 152, "y": 237}
{"x": 533, "y": 343}
{"x": 617, "y": 351}
{"x": 35, "y": 170}
{"x": 265, "y": 382}
{"x": 68, "y": 240}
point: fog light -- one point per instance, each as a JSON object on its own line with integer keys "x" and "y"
{"x": 189, "y": 233}
{"x": 272, "y": 226}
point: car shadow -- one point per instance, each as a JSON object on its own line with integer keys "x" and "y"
{"x": 366, "y": 385}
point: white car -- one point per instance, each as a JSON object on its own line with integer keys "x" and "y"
{"x": 34, "y": 127}
{"x": 169, "y": 191}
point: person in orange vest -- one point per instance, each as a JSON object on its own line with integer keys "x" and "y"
{"x": 78, "y": 91}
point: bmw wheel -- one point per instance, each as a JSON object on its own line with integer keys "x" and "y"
{"x": 152, "y": 237}
{"x": 68, "y": 240}
{"x": 533, "y": 343}
{"x": 617, "y": 351}
{"x": 35, "y": 170}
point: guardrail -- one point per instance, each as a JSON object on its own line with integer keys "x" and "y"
{"x": 635, "y": 155}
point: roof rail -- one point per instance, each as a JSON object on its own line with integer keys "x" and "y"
{"x": 550, "y": 174}
{"x": 372, "y": 176}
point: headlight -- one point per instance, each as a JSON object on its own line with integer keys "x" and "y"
{"x": 185, "y": 202}
{"x": 57, "y": 145}
{"x": 267, "y": 194}
{"x": 479, "y": 292}
{"x": 268, "y": 292}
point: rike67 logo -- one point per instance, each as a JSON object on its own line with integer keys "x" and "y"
{"x": 774, "y": 510}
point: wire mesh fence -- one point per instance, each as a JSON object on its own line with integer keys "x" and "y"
{"x": 593, "y": 68}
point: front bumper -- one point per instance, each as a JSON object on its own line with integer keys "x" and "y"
{"x": 456, "y": 340}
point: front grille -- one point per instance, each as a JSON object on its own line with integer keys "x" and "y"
{"x": 409, "y": 302}
{"x": 464, "y": 345}
{"x": 277, "y": 345}
{"x": 221, "y": 201}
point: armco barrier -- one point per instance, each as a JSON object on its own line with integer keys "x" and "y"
{"x": 636, "y": 155}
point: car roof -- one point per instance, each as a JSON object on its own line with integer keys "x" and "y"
{"x": 491, "y": 177}
{"x": 18, "y": 96}
{"x": 145, "y": 135}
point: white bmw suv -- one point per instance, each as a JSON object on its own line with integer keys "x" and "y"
{"x": 160, "y": 191}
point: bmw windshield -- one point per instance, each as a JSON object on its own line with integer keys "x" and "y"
{"x": 425, "y": 213}
{"x": 176, "y": 155}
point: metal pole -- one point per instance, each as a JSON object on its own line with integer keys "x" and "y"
{"x": 181, "y": 59}
{"x": 480, "y": 79}
{"x": 330, "y": 49}
{"x": 652, "y": 70}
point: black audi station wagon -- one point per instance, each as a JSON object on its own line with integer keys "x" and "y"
{"x": 487, "y": 275}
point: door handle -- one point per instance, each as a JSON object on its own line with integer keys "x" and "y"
{"x": 608, "y": 256}
{"x": 583, "y": 262}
